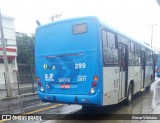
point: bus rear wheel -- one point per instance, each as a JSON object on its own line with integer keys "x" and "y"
{"x": 129, "y": 95}
{"x": 89, "y": 109}
{"x": 148, "y": 87}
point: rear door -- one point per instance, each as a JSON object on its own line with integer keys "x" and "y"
{"x": 123, "y": 69}
{"x": 142, "y": 69}
{"x": 123, "y": 64}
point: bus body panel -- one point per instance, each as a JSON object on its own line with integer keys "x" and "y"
{"x": 110, "y": 85}
{"x": 59, "y": 38}
{"x": 72, "y": 99}
{"x": 158, "y": 66}
{"x": 67, "y": 63}
{"x": 148, "y": 73}
{"x": 134, "y": 73}
{"x": 57, "y": 71}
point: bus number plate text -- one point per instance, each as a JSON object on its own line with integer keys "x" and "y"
{"x": 65, "y": 86}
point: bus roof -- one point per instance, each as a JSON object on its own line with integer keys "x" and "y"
{"x": 101, "y": 23}
{"x": 65, "y": 20}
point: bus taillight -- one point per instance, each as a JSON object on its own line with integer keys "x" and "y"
{"x": 95, "y": 78}
{"x": 94, "y": 84}
{"x": 39, "y": 83}
{"x": 38, "y": 78}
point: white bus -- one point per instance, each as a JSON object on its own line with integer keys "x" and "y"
{"x": 129, "y": 66}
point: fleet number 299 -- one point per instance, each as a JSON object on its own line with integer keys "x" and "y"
{"x": 80, "y": 65}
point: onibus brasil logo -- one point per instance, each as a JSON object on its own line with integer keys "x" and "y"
{"x": 21, "y": 117}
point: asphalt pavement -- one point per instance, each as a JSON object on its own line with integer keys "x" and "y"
{"x": 147, "y": 102}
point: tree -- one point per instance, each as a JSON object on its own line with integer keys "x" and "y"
{"x": 25, "y": 49}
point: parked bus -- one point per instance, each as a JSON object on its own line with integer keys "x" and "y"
{"x": 158, "y": 66}
{"x": 83, "y": 61}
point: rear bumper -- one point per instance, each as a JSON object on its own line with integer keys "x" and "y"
{"x": 72, "y": 99}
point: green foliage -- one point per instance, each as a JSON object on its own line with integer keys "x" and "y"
{"x": 25, "y": 48}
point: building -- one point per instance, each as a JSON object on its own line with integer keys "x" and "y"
{"x": 11, "y": 49}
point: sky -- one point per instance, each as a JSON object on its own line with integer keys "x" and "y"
{"x": 132, "y": 17}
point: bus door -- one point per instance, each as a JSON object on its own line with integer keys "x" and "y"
{"x": 123, "y": 62}
{"x": 142, "y": 68}
{"x": 154, "y": 66}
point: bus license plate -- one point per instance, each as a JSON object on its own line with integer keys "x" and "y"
{"x": 65, "y": 86}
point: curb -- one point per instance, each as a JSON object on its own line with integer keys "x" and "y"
{"x": 18, "y": 96}
{"x": 4, "y": 89}
{"x": 26, "y": 95}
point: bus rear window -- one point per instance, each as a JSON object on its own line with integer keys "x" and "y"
{"x": 79, "y": 28}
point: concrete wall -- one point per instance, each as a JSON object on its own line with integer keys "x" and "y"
{"x": 12, "y": 74}
{"x": 10, "y": 39}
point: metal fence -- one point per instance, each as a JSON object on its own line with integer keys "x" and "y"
{"x": 22, "y": 81}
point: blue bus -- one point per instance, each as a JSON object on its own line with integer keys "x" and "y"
{"x": 83, "y": 61}
{"x": 158, "y": 66}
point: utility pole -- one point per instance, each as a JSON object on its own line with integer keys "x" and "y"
{"x": 152, "y": 32}
{"x": 8, "y": 84}
{"x": 55, "y": 17}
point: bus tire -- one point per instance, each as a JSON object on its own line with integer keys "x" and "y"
{"x": 89, "y": 109}
{"x": 148, "y": 87}
{"x": 129, "y": 95}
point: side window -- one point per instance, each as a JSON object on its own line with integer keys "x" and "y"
{"x": 110, "y": 53}
{"x": 150, "y": 58}
{"x": 131, "y": 54}
{"x": 153, "y": 56}
{"x": 146, "y": 55}
{"x": 104, "y": 42}
{"x": 111, "y": 40}
{"x": 132, "y": 46}
{"x": 137, "y": 54}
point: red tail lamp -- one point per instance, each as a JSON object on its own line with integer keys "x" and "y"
{"x": 94, "y": 84}
{"x": 39, "y": 83}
